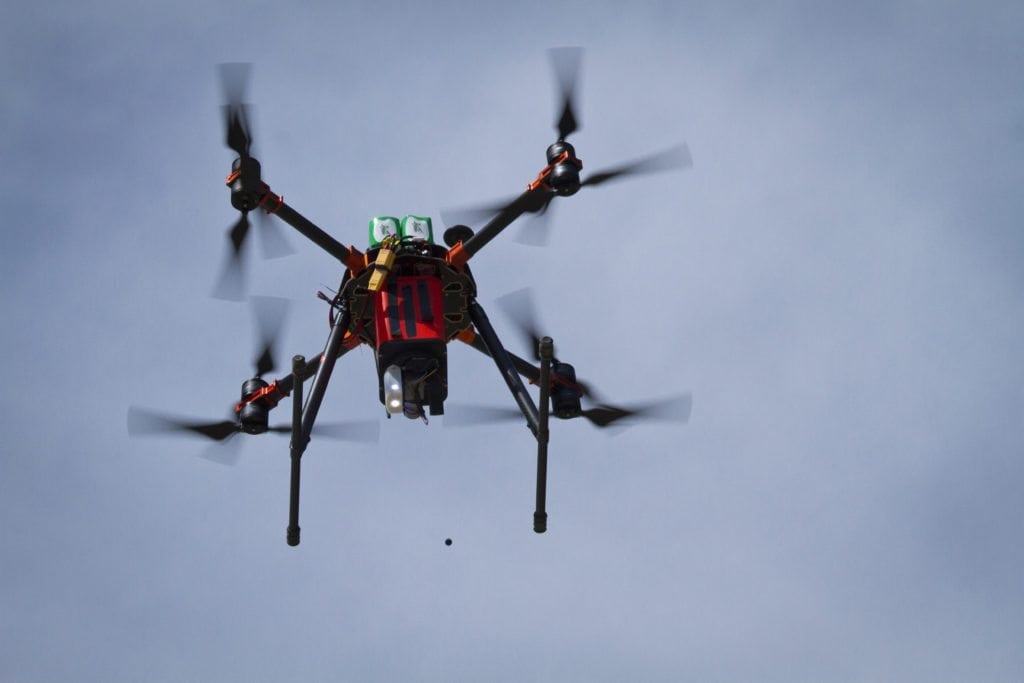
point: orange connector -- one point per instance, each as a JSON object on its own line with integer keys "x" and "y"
{"x": 457, "y": 256}
{"x": 356, "y": 262}
{"x": 270, "y": 198}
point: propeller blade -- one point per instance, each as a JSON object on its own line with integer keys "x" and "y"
{"x": 535, "y": 202}
{"x": 536, "y": 228}
{"x": 231, "y": 283}
{"x": 471, "y": 215}
{"x": 565, "y": 61}
{"x": 520, "y": 309}
{"x": 468, "y": 416}
{"x": 585, "y": 388}
{"x": 142, "y": 422}
{"x": 237, "y": 234}
{"x": 358, "y": 431}
{"x": 272, "y": 238}
{"x": 227, "y": 452}
{"x": 234, "y": 81}
{"x": 269, "y": 313}
{"x": 237, "y": 124}
{"x": 670, "y": 159}
{"x": 673, "y": 409}
{"x": 238, "y": 133}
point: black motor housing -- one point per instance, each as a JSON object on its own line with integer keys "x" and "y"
{"x": 564, "y": 178}
{"x": 456, "y": 234}
{"x": 247, "y": 185}
{"x": 254, "y": 415}
{"x": 565, "y": 396}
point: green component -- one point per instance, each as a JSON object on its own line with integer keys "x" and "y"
{"x": 416, "y": 227}
{"x": 382, "y": 227}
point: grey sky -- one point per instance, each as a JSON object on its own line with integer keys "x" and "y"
{"x": 837, "y": 281}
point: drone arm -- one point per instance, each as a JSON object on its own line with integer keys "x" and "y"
{"x": 522, "y": 366}
{"x": 249, "y": 191}
{"x": 532, "y": 200}
{"x": 311, "y": 231}
{"x": 274, "y": 204}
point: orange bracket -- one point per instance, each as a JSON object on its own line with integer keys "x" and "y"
{"x": 356, "y": 261}
{"x": 543, "y": 175}
{"x": 457, "y": 256}
{"x": 270, "y": 394}
{"x": 351, "y": 340}
{"x": 270, "y": 198}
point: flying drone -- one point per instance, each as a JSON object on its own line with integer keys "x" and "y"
{"x": 407, "y": 297}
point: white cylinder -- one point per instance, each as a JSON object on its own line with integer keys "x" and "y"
{"x": 393, "y": 394}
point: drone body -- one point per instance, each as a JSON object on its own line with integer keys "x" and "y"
{"x": 411, "y": 302}
{"x": 408, "y": 298}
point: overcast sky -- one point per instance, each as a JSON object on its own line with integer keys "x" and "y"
{"x": 836, "y": 282}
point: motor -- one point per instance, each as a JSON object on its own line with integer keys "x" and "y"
{"x": 245, "y": 183}
{"x": 253, "y": 415}
{"x": 565, "y": 393}
{"x": 564, "y": 178}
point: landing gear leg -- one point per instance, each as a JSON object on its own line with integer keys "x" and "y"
{"x": 536, "y": 420}
{"x": 304, "y": 417}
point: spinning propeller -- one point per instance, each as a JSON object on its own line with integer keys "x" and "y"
{"x": 561, "y": 177}
{"x": 245, "y": 184}
{"x": 143, "y": 422}
{"x": 269, "y": 314}
{"x": 674, "y": 409}
{"x": 520, "y": 309}
{"x": 565, "y": 62}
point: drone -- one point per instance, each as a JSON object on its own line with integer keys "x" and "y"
{"x": 407, "y": 297}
